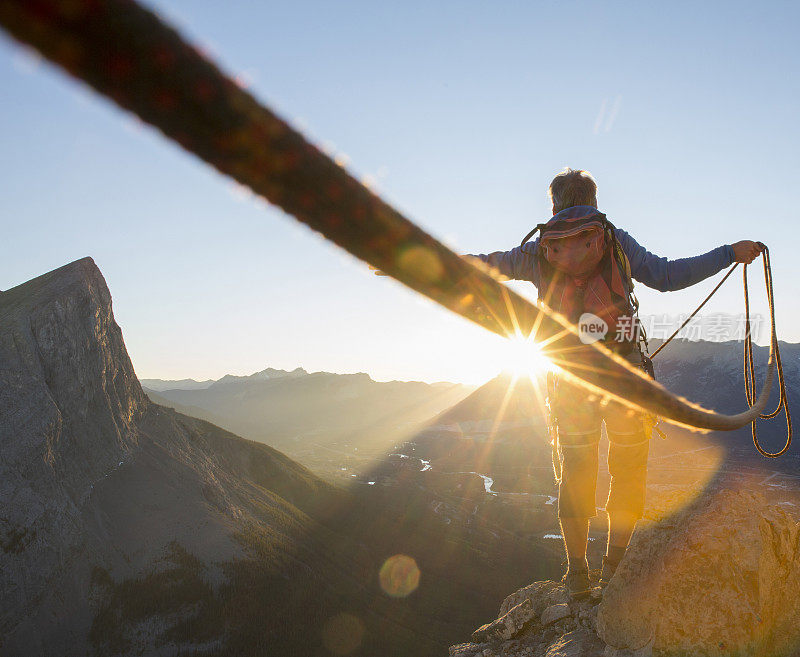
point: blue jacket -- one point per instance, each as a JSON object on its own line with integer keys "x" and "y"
{"x": 665, "y": 275}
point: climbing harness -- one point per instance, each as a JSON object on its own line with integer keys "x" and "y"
{"x": 749, "y": 372}
{"x": 128, "y": 54}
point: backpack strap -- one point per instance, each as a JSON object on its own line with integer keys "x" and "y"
{"x": 622, "y": 258}
{"x": 620, "y": 255}
{"x": 537, "y": 228}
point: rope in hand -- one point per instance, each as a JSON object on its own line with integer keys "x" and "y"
{"x": 749, "y": 370}
{"x": 697, "y": 310}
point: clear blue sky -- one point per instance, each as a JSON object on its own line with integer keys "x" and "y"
{"x": 461, "y": 112}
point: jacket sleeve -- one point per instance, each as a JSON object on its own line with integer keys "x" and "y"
{"x": 518, "y": 264}
{"x": 668, "y": 275}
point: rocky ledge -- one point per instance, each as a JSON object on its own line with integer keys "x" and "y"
{"x": 719, "y": 578}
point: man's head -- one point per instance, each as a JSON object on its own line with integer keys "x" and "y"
{"x": 572, "y": 187}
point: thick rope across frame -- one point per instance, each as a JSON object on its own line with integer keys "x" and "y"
{"x": 128, "y": 54}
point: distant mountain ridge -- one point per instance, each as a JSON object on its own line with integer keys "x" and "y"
{"x": 296, "y": 410}
{"x": 160, "y": 385}
{"x": 169, "y": 384}
{"x": 263, "y": 375}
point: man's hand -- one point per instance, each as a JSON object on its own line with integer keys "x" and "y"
{"x": 745, "y": 251}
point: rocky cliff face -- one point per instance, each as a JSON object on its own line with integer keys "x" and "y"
{"x": 67, "y": 386}
{"x": 69, "y": 403}
{"x": 95, "y": 478}
{"x": 719, "y": 578}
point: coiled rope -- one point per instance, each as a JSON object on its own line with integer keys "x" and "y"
{"x": 749, "y": 370}
{"x": 749, "y": 373}
{"x": 128, "y": 54}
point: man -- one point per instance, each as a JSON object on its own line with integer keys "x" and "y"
{"x": 574, "y": 197}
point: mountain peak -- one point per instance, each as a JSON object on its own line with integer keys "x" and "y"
{"x": 272, "y": 373}
{"x": 264, "y": 375}
{"x": 66, "y": 368}
{"x": 82, "y": 273}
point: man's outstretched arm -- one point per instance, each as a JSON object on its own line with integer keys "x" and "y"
{"x": 518, "y": 264}
{"x": 668, "y": 275}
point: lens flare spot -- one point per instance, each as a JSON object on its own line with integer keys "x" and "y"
{"x": 466, "y": 300}
{"x": 399, "y": 576}
{"x": 423, "y": 262}
{"x": 343, "y": 634}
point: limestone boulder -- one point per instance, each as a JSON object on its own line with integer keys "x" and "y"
{"x": 555, "y": 613}
{"x": 720, "y": 578}
{"x": 538, "y": 620}
{"x": 506, "y": 626}
{"x": 541, "y": 595}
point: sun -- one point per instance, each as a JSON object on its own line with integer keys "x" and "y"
{"x": 524, "y": 357}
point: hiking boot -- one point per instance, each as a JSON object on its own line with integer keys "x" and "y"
{"x": 578, "y": 583}
{"x": 607, "y": 572}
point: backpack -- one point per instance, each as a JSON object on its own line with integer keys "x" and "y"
{"x": 583, "y": 269}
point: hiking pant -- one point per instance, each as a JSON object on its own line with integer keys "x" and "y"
{"x": 579, "y": 422}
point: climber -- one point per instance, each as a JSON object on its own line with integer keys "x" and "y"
{"x": 581, "y": 264}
